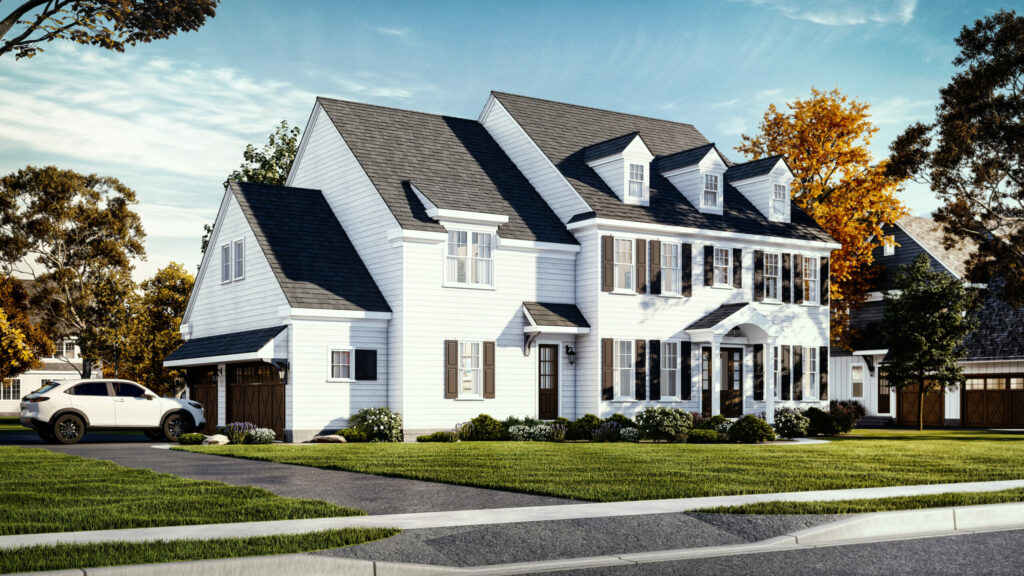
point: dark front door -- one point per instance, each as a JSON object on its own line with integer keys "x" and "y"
{"x": 256, "y": 394}
{"x": 547, "y": 374}
{"x": 732, "y": 383}
{"x": 705, "y": 382}
{"x": 202, "y": 387}
{"x": 934, "y": 407}
{"x": 883, "y": 395}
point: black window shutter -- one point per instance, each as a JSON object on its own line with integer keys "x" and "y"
{"x": 655, "y": 266}
{"x": 823, "y": 359}
{"x": 686, "y": 369}
{"x": 451, "y": 369}
{"x": 686, "y": 265}
{"x": 758, "y": 372}
{"x": 709, "y": 265}
{"x": 640, "y": 369}
{"x": 798, "y": 372}
{"x": 607, "y": 263}
{"x": 607, "y": 369}
{"x": 823, "y": 279}
{"x": 641, "y": 267}
{"x": 786, "y": 388}
{"x": 366, "y": 365}
{"x": 758, "y": 275}
{"x": 488, "y": 369}
{"x": 737, "y": 268}
{"x": 655, "y": 356}
{"x": 798, "y": 279}
{"x": 786, "y": 284}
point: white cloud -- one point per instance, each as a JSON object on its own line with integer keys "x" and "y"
{"x": 732, "y": 126}
{"x": 901, "y": 111}
{"x": 388, "y": 31}
{"x": 842, "y": 12}
{"x": 726, "y": 104}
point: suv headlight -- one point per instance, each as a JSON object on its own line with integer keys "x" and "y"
{"x": 195, "y": 404}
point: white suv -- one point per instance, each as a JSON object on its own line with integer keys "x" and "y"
{"x": 63, "y": 411}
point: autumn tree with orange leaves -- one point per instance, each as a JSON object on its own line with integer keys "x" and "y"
{"x": 825, "y": 140}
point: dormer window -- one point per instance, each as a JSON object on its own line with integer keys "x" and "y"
{"x": 469, "y": 260}
{"x": 711, "y": 190}
{"x": 780, "y": 195}
{"x": 888, "y": 249}
{"x": 636, "y": 181}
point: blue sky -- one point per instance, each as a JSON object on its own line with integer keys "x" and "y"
{"x": 170, "y": 119}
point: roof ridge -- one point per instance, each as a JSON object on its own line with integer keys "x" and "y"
{"x": 395, "y": 108}
{"x": 497, "y": 93}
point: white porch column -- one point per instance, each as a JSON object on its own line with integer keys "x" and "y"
{"x": 222, "y": 396}
{"x": 715, "y": 365}
{"x": 769, "y": 380}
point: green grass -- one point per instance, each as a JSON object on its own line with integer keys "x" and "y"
{"x": 874, "y": 505}
{"x": 12, "y": 425}
{"x": 68, "y": 556}
{"x": 41, "y": 491}
{"x": 615, "y": 472}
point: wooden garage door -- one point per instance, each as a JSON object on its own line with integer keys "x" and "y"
{"x": 256, "y": 394}
{"x": 992, "y": 401}
{"x": 934, "y": 407}
{"x": 202, "y": 387}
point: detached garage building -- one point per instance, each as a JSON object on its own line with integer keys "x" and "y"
{"x": 992, "y": 395}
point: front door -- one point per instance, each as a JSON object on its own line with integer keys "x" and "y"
{"x": 884, "y": 406}
{"x": 732, "y": 383}
{"x": 547, "y": 374}
{"x": 705, "y": 382}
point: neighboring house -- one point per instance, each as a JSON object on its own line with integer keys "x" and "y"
{"x": 66, "y": 364}
{"x": 543, "y": 260}
{"x": 993, "y": 392}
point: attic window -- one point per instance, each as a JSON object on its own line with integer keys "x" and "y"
{"x": 779, "y": 198}
{"x": 889, "y": 248}
{"x": 711, "y": 190}
{"x": 636, "y": 181}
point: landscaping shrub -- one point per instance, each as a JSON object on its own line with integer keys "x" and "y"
{"x": 439, "y": 436}
{"x": 702, "y": 436}
{"x": 718, "y": 423}
{"x": 664, "y": 423}
{"x": 556, "y": 432}
{"x": 608, "y": 431}
{"x": 820, "y": 422}
{"x": 750, "y": 430}
{"x": 260, "y": 436}
{"x": 582, "y": 428}
{"x": 462, "y": 431}
{"x": 352, "y": 435}
{"x": 629, "y": 434}
{"x": 622, "y": 420}
{"x": 524, "y": 432}
{"x": 486, "y": 428}
{"x": 790, "y": 423}
{"x": 378, "y": 424}
{"x": 191, "y": 438}
{"x": 845, "y": 414}
{"x": 237, "y": 431}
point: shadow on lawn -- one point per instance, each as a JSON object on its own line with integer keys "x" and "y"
{"x": 951, "y": 435}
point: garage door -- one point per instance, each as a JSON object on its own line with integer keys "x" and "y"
{"x": 993, "y": 401}
{"x": 202, "y": 387}
{"x": 256, "y": 394}
{"x": 934, "y": 407}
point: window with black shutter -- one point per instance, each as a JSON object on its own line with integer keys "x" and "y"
{"x": 366, "y": 365}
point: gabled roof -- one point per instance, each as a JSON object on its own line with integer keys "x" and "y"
{"x": 753, "y": 168}
{"x": 561, "y": 315}
{"x": 609, "y": 147}
{"x": 454, "y": 158}
{"x": 717, "y": 315}
{"x": 1000, "y": 332}
{"x": 306, "y": 247}
{"x": 685, "y": 158}
{"x": 564, "y": 131}
{"x": 245, "y": 342}
{"x": 915, "y": 235}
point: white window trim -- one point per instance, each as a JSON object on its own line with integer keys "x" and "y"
{"x": 479, "y": 394}
{"x": 632, "y": 370}
{"x": 351, "y": 363}
{"x": 230, "y": 263}
{"x": 703, "y": 190}
{"x": 616, "y": 289}
{"x": 863, "y": 382}
{"x": 673, "y": 291}
{"x": 14, "y": 397}
{"x": 677, "y": 397}
{"x": 778, "y": 290}
{"x": 816, "y": 293}
{"x": 811, "y": 387}
{"x": 234, "y": 260}
{"x": 728, "y": 275}
{"x": 469, "y": 250}
{"x": 777, "y": 370}
{"x": 781, "y": 212}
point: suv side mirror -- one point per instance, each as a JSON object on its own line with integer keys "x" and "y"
{"x": 149, "y": 396}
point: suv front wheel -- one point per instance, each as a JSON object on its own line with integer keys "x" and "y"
{"x": 174, "y": 426}
{"x": 68, "y": 428}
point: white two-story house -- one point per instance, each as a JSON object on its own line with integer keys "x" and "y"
{"x": 545, "y": 259}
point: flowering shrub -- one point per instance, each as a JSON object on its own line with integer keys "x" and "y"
{"x": 556, "y": 432}
{"x": 629, "y": 434}
{"x": 663, "y": 423}
{"x": 845, "y": 414}
{"x": 790, "y": 423}
{"x": 237, "y": 431}
{"x": 608, "y": 431}
{"x": 750, "y": 430}
{"x": 191, "y": 438}
{"x": 378, "y": 424}
{"x": 523, "y": 432}
{"x": 260, "y": 436}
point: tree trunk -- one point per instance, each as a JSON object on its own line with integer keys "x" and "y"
{"x": 920, "y": 405}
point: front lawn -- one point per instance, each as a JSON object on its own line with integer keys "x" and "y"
{"x": 8, "y": 424}
{"x": 41, "y": 491}
{"x": 875, "y": 505}
{"x": 624, "y": 471}
{"x": 68, "y": 556}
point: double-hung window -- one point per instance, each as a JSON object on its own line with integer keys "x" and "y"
{"x": 636, "y": 181}
{"x": 670, "y": 370}
{"x": 671, "y": 273}
{"x": 780, "y": 195}
{"x": 470, "y": 368}
{"x": 624, "y": 368}
{"x": 811, "y": 375}
{"x": 225, "y": 263}
{"x": 776, "y": 373}
{"x": 10, "y": 389}
{"x": 470, "y": 258}
{"x": 857, "y": 381}
{"x": 624, "y": 273}
{"x": 341, "y": 364}
{"x": 232, "y": 261}
{"x": 239, "y": 260}
{"x": 810, "y": 280}
{"x": 772, "y": 276}
{"x": 711, "y": 190}
{"x": 722, "y": 266}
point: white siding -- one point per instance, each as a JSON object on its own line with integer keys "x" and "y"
{"x": 246, "y": 304}
{"x": 759, "y": 191}
{"x": 588, "y": 291}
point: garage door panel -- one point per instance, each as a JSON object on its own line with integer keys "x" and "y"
{"x": 202, "y": 387}
{"x": 934, "y": 407}
{"x": 256, "y": 394}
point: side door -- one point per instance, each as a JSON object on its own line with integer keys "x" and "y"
{"x": 134, "y": 407}
{"x": 95, "y": 401}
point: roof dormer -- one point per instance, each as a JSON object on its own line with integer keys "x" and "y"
{"x": 766, "y": 183}
{"x": 699, "y": 175}
{"x": 624, "y": 163}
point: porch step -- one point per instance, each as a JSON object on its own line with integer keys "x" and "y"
{"x": 875, "y": 422}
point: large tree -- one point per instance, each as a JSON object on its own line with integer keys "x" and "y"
{"x": 22, "y": 342}
{"x": 110, "y": 24}
{"x": 825, "y": 139}
{"x": 972, "y": 153}
{"x": 76, "y": 236}
{"x": 925, "y": 320}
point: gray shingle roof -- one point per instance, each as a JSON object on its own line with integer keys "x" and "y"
{"x": 752, "y": 169}
{"x": 916, "y": 235}
{"x": 454, "y": 158}
{"x": 717, "y": 315}
{"x": 684, "y": 158}
{"x": 564, "y": 131}
{"x": 226, "y": 344}
{"x": 546, "y": 314}
{"x": 609, "y": 147}
{"x": 310, "y": 254}
{"x": 1000, "y": 333}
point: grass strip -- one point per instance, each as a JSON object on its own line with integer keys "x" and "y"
{"x": 42, "y": 491}
{"x": 69, "y": 556}
{"x": 874, "y": 505}
{"x": 12, "y": 425}
{"x": 624, "y": 471}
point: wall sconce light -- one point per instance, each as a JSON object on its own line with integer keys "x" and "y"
{"x": 220, "y": 369}
{"x": 282, "y": 370}
{"x": 571, "y": 354}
